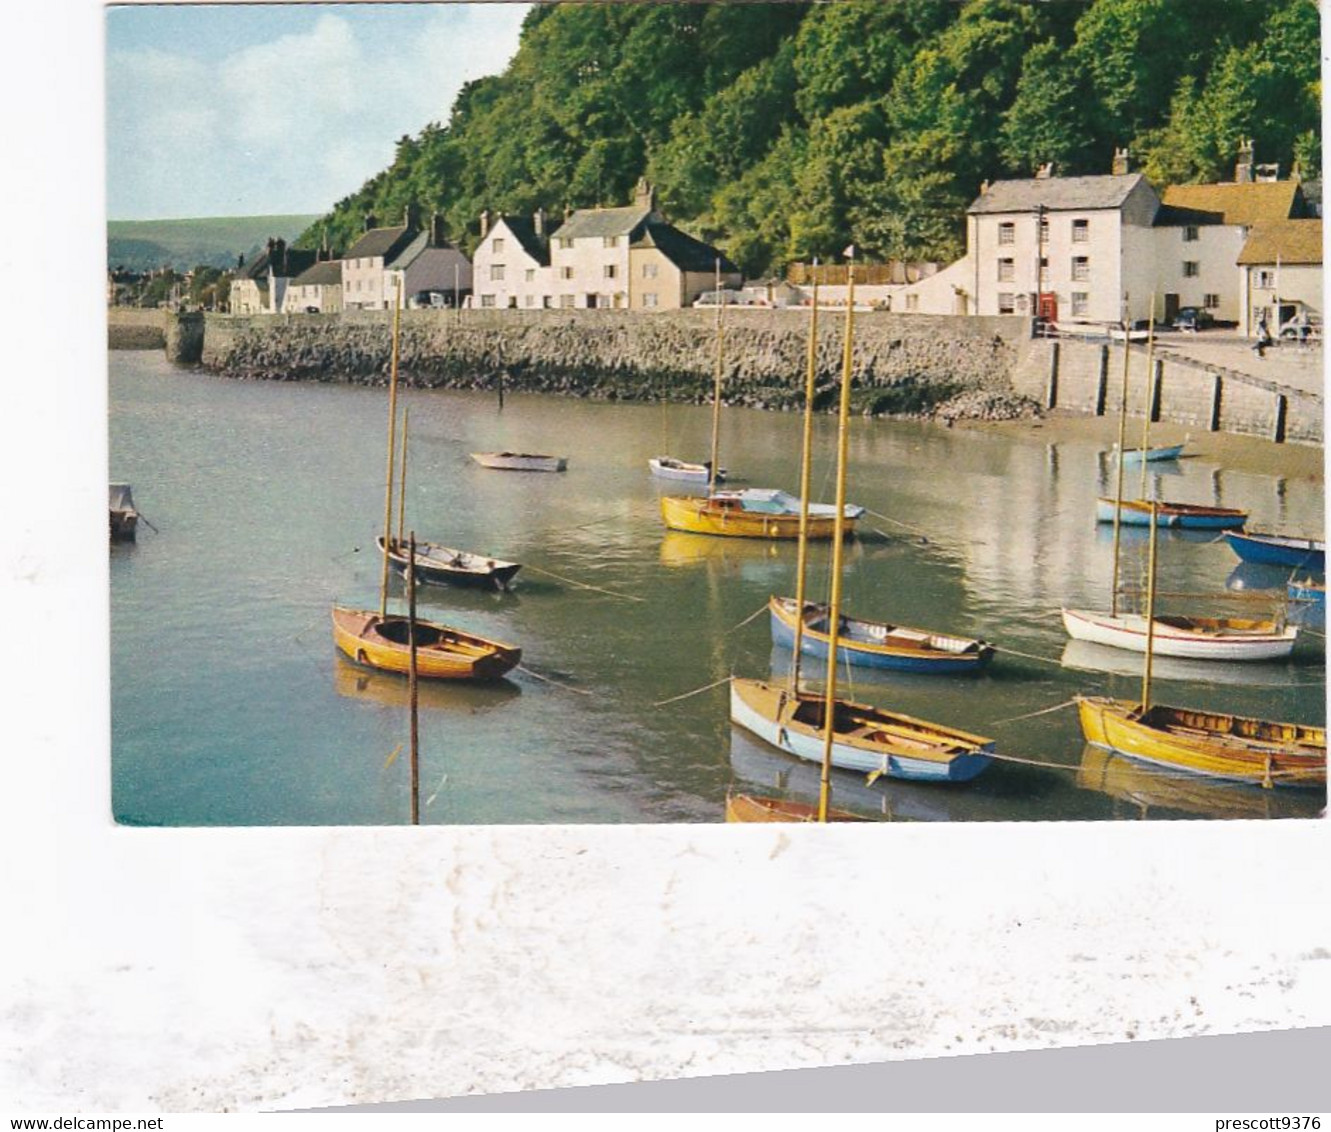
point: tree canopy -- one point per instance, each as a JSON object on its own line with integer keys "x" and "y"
{"x": 787, "y": 130}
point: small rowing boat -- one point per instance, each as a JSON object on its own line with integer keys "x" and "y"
{"x": 442, "y": 653}
{"x": 1194, "y": 638}
{"x": 1279, "y": 550}
{"x": 1194, "y": 516}
{"x": 875, "y": 644}
{"x": 443, "y": 565}
{"x": 1307, "y": 590}
{"x": 521, "y": 461}
{"x": 668, "y": 468}
{"x": 1133, "y": 456}
{"x": 753, "y": 808}
{"x": 124, "y": 517}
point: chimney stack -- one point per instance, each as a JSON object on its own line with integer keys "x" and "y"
{"x": 538, "y": 223}
{"x": 411, "y": 216}
{"x": 644, "y": 195}
{"x": 1243, "y": 170}
{"x": 280, "y": 253}
{"x": 1120, "y": 166}
{"x": 437, "y": 236}
{"x": 984, "y": 186}
{"x": 371, "y": 221}
{"x": 485, "y": 222}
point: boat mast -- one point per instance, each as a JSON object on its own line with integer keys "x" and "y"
{"x": 413, "y": 686}
{"x": 714, "y": 467}
{"x": 1150, "y": 610}
{"x": 838, "y": 534}
{"x": 392, "y": 442}
{"x": 806, "y": 473}
{"x": 1147, "y": 388}
{"x": 1122, "y": 439}
{"x": 402, "y": 487}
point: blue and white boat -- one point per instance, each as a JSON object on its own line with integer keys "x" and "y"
{"x": 1189, "y": 516}
{"x": 874, "y": 644}
{"x": 1279, "y": 550}
{"x": 1132, "y": 457}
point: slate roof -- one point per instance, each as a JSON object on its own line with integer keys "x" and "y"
{"x": 386, "y": 242}
{"x": 604, "y": 222}
{"x": 1233, "y": 203}
{"x": 683, "y": 250}
{"x": 524, "y": 231}
{"x": 1057, "y": 194}
{"x": 297, "y": 260}
{"x": 327, "y": 272}
{"x": 1291, "y": 241}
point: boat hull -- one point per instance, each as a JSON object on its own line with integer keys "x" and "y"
{"x": 521, "y": 461}
{"x": 755, "y": 808}
{"x": 443, "y": 565}
{"x": 1234, "y": 748}
{"x": 665, "y": 468}
{"x": 1307, "y": 591}
{"x": 772, "y": 714}
{"x": 1277, "y": 550}
{"x": 1128, "y": 631}
{"x": 1132, "y": 457}
{"x": 915, "y": 656}
{"x": 442, "y": 653}
{"x": 703, "y": 517}
{"x": 1137, "y": 513}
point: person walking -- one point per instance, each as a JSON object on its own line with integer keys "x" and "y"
{"x": 1263, "y": 338}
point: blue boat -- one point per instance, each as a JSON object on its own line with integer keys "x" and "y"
{"x": 1189, "y": 516}
{"x": 1307, "y": 590}
{"x": 1132, "y": 457}
{"x": 1280, "y": 550}
{"x": 873, "y": 644}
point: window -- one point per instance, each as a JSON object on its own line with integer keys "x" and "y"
{"x": 497, "y": 244}
{"x": 1007, "y": 233}
{"x": 610, "y": 270}
{"x": 566, "y": 272}
{"x": 1081, "y": 231}
{"x": 496, "y": 272}
{"x": 1005, "y": 303}
{"x": 1266, "y": 279}
{"x": 530, "y": 275}
{"x": 528, "y": 300}
{"x": 1081, "y": 268}
{"x": 1080, "y": 304}
{"x": 566, "y": 301}
{"x": 649, "y": 270}
{"x": 562, "y": 242}
{"x": 1190, "y": 234}
{"x": 649, "y": 298}
{"x": 487, "y": 300}
{"x": 1191, "y": 268}
{"x": 610, "y": 241}
{"x": 1006, "y": 270}
{"x": 1211, "y": 302}
{"x": 1044, "y": 229}
{"x": 912, "y": 302}
{"x": 547, "y": 301}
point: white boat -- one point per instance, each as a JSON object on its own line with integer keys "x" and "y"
{"x": 521, "y": 461}
{"x": 668, "y": 468}
{"x": 774, "y": 501}
{"x": 1192, "y": 638}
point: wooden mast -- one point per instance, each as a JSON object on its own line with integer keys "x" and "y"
{"x": 838, "y": 534}
{"x": 392, "y": 443}
{"x": 714, "y": 467}
{"x": 1150, "y": 611}
{"x": 402, "y": 475}
{"x": 1147, "y": 390}
{"x": 806, "y": 475}
{"x": 413, "y": 695}
{"x": 1122, "y": 439}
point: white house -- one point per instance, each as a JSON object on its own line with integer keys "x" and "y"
{"x": 260, "y": 286}
{"x": 589, "y": 254}
{"x": 511, "y": 265}
{"x": 318, "y": 288}
{"x": 368, "y": 263}
{"x": 1280, "y": 268}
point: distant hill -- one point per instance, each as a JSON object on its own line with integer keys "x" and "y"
{"x": 212, "y": 240}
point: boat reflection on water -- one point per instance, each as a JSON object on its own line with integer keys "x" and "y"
{"x": 1157, "y": 792}
{"x": 771, "y": 771}
{"x": 391, "y": 690}
{"x": 765, "y": 562}
{"x": 1258, "y": 576}
{"x": 1088, "y": 656}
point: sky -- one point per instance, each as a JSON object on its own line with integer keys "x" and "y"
{"x": 254, "y": 110}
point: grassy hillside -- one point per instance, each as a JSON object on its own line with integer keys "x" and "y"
{"x": 181, "y": 244}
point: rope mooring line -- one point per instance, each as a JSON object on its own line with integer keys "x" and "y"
{"x": 1033, "y": 714}
{"x": 906, "y": 526}
{"x": 756, "y": 613}
{"x": 556, "y": 683}
{"x": 695, "y": 692}
{"x": 1031, "y": 762}
{"x": 1028, "y": 655}
{"x": 582, "y": 585}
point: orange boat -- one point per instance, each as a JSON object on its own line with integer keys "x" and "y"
{"x": 442, "y": 652}
{"x": 752, "y": 808}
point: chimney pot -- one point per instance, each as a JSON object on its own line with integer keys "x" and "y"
{"x": 485, "y": 222}
{"x": 538, "y": 222}
{"x": 1243, "y": 169}
{"x": 1120, "y": 167}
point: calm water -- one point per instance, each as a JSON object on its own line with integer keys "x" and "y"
{"x": 231, "y": 705}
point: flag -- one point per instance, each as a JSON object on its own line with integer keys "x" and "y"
{"x": 849, "y": 251}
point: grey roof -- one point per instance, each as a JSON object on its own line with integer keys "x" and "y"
{"x": 683, "y": 250}
{"x": 605, "y": 222}
{"x": 400, "y": 256}
{"x": 329, "y": 271}
{"x": 524, "y": 231}
{"x": 292, "y": 261}
{"x": 1057, "y": 194}
{"x": 386, "y": 242}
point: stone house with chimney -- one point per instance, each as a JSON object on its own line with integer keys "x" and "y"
{"x": 668, "y": 269}
{"x": 317, "y": 289}
{"x": 511, "y": 265}
{"x": 260, "y": 286}
{"x": 432, "y": 271}
{"x": 589, "y": 254}
{"x": 367, "y": 266}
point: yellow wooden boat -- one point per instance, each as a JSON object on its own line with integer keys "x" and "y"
{"x": 442, "y": 652}
{"x": 726, "y": 513}
{"x": 1215, "y": 744}
{"x": 753, "y": 808}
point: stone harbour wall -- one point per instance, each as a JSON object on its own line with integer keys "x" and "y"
{"x": 132, "y": 328}
{"x": 903, "y": 364}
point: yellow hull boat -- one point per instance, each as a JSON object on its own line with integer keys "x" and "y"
{"x": 442, "y": 652}
{"x": 721, "y": 516}
{"x": 753, "y": 808}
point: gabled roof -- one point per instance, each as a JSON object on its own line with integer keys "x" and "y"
{"x": 604, "y": 222}
{"x": 683, "y": 250}
{"x": 1285, "y": 241}
{"x": 328, "y": 271}
{"x": 385, "y": 242}
{"x": 1056, "y": 194}
{"x": 524, "y": 231}
{"x": 291, "y": 262}
{"x": 1231, "y": 203}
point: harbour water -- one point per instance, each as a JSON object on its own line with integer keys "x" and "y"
{"x": 230, "y": 705}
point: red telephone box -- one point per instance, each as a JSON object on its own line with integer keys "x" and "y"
{"x": 1047, "y": 307}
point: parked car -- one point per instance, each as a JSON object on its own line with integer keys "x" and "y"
{"x": 1194, "y": 319}
{"x": 1302, "y": 328}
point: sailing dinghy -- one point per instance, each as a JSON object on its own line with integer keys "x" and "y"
{"x": 444, "y": 565}
{"x": 1194, "y": 638}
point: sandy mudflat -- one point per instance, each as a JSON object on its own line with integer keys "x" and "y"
{"x": 1243, "y": 453}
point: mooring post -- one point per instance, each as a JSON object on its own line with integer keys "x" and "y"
{"x": 1217, "y": 385}
{"x": 1051, "y": 390}
{"x": 1279, "y": 414}
{"x": 1102, "y": 382}
{"x": 1157, "y": 382}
